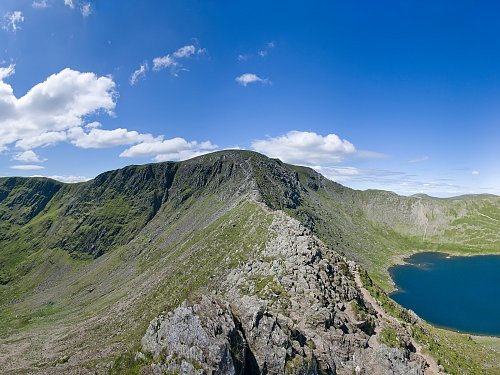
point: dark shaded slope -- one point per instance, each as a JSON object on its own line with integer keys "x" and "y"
{"x": 110, "y": 210}
{"x": 95, "y": 307}
{"x": 21, "y": 199}
{"x": 89, "y": 219}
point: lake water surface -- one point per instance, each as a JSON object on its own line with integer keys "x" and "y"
{"x": 461, "y": 293}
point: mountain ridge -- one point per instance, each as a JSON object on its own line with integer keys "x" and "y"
{"x": 109, "y": 254}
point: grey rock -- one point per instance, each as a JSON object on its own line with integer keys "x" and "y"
{"x": 294, "y": 309}
{"x": 196, "y": 339}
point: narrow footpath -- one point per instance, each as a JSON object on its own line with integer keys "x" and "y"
{"x": 432, "y": 368}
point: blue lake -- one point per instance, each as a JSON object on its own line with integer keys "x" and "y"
{"x": 460, "y": 293}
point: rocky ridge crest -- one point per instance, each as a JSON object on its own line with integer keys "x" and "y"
{"x": 294, "y": 309}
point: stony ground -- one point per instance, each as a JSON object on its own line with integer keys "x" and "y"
{"x": 295, "y": 309}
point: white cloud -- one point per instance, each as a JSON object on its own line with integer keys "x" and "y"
{"x": 86, "y": 9}
{"x": 243, "y": 57}
{"x": 420, "y": 159}
{"x": 66, "y": 179}
{"x": 185, "y": 51}
{"x": 40, "y": 4}
{"x": 344, "y": 174}
{"x": 339, "y": 174}
{"x": 27, "y": 167}
{"x": 28, "y": 157}
{"x": 55, "y": 110}
{"x": 169, "y": 149}
{"x": 399, "y": 182}
{"x": 171, "y": 61}
{"x": 99, "y": 138}
{"x": 262, "y": 53}
{"x": 50, "y": 108}
{"x": 247, "y": 78}
{"x": 162, "y": 62}
{"x": 139, "y": 73}
{"x": 7, "y": 72}
{"x": 93, "y": 125}
{"x": 475, "y": 173}
{"x": 12, "y": 20}
{"x": 306, "y": 148}
{"x": 44, "y": 139}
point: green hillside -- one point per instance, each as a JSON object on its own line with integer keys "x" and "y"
{"x": 85, "y": 267}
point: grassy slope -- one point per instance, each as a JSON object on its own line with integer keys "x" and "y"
{"x": 107, "y": 304}
{"x": 84, "y": 311}
{"x": 162, "y": 232}
{"x": 378, "y": 228}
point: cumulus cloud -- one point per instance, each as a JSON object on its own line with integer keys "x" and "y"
{"x": 11, "y": 21}
{"x": 139, "y": 73}
{"x": 306, "y": 148}
{"x": 70, "y": 3}
{"x": 27, "y": 167}
{"x": 49, "y": 109}
{"x": 100, "y": 138}
{"x": 173, "y": 61}
{"x": 28, "y": 157}
{"x": 56, "y": 110}
{"x": 248, "y": 78}
{"x": 169, "y": 149}
{"x": 40, "y": 140}
{"x": 40, "y": 4}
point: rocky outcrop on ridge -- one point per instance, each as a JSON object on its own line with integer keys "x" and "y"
{"x": 199, "y": 339}
{"x": 295, "y": 309}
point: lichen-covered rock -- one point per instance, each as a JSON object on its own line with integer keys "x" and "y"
{"x": 201, "y": 338}
{"x": 294, "y": 309}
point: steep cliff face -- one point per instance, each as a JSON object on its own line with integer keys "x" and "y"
{"x": 21, "y": 199}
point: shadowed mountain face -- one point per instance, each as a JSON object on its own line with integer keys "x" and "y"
{"x": 86, "y": 266}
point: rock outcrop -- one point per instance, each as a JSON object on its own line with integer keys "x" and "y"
{"x": 202, "y": 338}
{"x": 294, "y": 309}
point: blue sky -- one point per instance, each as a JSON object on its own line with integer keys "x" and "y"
{"x": 395, "y": 95}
